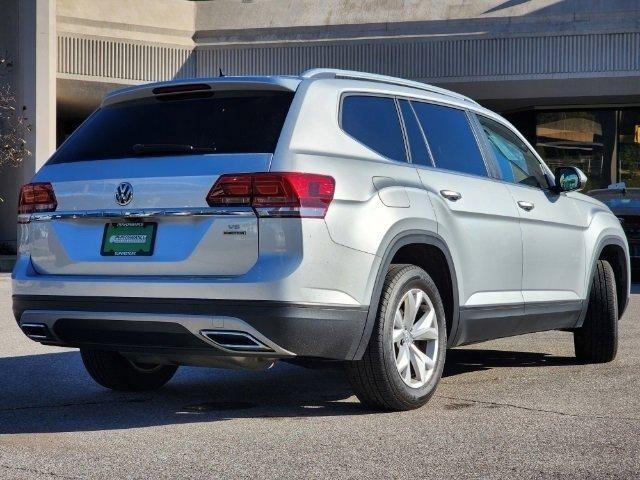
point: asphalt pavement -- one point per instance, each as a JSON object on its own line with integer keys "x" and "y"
{"x": 520, "y": 407}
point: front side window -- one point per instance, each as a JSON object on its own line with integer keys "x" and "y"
{"x": 374, "y": 122}
{"x": 516, "y": 162}
{"x": 450, "y": 138}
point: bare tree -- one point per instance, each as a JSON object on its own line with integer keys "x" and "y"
{"x": 14, "y": 124}
{"x": 14, "y": 128}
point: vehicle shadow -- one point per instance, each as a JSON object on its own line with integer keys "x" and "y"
{"x": 465, "y": 360}
{"x": 53, "y": 393}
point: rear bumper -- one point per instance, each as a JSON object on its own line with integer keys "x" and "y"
{"x": 170, "y": 325}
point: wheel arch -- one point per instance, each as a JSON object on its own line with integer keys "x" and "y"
{"x": 613, "y": 249}
{"x": 614, "y": 253}
{"x": 406, "y": 248}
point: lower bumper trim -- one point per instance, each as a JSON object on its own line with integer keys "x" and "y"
{"x": 307, "y": 330}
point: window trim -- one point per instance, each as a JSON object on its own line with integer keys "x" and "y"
{"x": 356, "y": 93}
{"x": 405, "y": 134}
{"x": 424, "y": 138}
{"x": 546, "y": 171}
{"x": 491, "y": 164}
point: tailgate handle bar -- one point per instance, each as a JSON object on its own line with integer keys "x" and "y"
{"x": 133, "y": 213}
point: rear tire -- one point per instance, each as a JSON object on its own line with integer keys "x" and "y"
{"x": 597, "y": 340}
{"x": 382, "y": 378}
{"x": 114, "y": 371}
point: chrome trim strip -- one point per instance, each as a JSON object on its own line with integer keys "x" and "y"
{"x": 133, "y": 213}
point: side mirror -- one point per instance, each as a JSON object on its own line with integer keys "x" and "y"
{"x": 569, "y": 179}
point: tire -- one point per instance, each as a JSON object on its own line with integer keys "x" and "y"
{"x": 378, "y": 379}
{"x": 597, "y": 340}
{"x": 114, "y": 371}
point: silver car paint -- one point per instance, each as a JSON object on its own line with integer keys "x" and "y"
{"x": 502, "y": 254}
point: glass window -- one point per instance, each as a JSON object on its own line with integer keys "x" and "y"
{"x": 235, "y": 122}
{"x": 629, "y": 147}
{"x": 581, "y": 138}
{"x": 516, "y": 162}
{"x": 374, "y": 122}
{"x": 450, "y": 138}
{"x": 419, "y": 153}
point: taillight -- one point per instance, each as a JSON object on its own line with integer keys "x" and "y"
{"x": 37, "y": 197}
{"x": 230, "y": 190}
{"x": 280, "y": 194}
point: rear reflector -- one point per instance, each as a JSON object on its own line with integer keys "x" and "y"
{"x": 37, "y": 197}
{"x": 280, "y": 194}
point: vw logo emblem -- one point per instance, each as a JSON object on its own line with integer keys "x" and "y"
{"x": 124, "y": 193}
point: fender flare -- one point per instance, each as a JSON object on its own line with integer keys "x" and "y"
{"x": 602, "y": 243}
{"x": 406, "y": 238}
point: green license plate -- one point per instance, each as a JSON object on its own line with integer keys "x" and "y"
{"x": 128, "y": 239}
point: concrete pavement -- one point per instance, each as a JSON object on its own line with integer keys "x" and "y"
{"x": 519, "y": 407}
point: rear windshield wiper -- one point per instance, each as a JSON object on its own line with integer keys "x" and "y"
{"x": 142, "y": 148}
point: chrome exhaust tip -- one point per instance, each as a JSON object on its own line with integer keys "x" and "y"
{"x": 236, "y": 341}
{"x": 36, "y": 331}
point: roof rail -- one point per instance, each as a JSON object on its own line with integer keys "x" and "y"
{"x": 372, "y": 77}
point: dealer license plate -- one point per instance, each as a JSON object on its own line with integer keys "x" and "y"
{"x": 129, "y": 239}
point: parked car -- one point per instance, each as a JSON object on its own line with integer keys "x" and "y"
{"x": 625, "y": 204}
{"x": 236, "y": 221}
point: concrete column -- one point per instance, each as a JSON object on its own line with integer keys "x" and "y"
{"x": 28, "y": 34}
{"x": 37, "y": 66}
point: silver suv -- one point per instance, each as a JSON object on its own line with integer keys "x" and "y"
{"x": 236, "y": 221}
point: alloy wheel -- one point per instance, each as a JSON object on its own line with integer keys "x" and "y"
{"x": 415, "y": 338}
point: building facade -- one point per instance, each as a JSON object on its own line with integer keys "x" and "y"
{"x": 566, "y": 72}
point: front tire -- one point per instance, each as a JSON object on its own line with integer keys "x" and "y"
{"x": 114, "y": 371}
{"x": 597, "y": 340}
{"x": 403, "y": 362}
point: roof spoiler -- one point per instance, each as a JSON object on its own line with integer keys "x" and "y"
{"x": 286, "y": 84}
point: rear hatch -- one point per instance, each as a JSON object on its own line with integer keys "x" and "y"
{"x": 131, "y": 185}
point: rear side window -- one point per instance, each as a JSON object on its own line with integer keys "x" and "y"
{"x": 516, "y": 162}
{"x": 450, "y": 138}
{"x": 374, "y": 122}
{"x": 218, "y": 122}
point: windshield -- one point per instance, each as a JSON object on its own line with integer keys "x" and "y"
{"x": 213, "y": 122}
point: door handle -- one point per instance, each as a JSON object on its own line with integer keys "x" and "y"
{"x": 451, "y": 195}
{"x": 527, "y": 206}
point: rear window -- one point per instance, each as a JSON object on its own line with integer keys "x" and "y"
{"x": 227, "y": 122}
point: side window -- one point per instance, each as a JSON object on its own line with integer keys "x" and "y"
{"x": 450, "y": 138}
{"x": 374, "y": 122}
{"x": 419, "y": 153}
{"x": 516, "y": 162}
